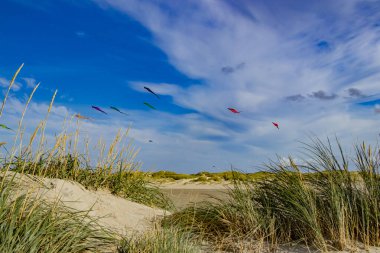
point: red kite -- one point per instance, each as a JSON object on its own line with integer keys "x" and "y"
{"x": 150, "y": 106}
{"x": 276, "y": 125}
{"x": 98, "y": 109}
{"x": 151, "y": 91}
{"x": 233, "y": 110}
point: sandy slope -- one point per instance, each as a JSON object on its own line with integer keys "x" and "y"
{"x": 117, "y": 213}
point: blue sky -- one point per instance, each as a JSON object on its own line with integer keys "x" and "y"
{"x": 312, "y": 67}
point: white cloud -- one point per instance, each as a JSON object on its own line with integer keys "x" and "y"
{"x": 30, "y": 82}
{"x": 159, "y": 88}
{"x": 4, "y": 83}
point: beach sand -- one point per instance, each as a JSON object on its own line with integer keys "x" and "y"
{"x": 185, "y": 193}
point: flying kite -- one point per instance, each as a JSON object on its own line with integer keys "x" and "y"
{"x": 151, "y": 91}
{"x": 116, "y": 109}
{"x": 5, "y": 127}
{"x": 276, "y": 125}
{"x": 233, "y": 110}
{"x": 80, "y": 116}
{"x": 150, "y": 141}
{"x": 98, "y": 109}
{"x": 150, "y": 106}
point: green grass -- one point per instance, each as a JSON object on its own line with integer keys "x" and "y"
{"x": 28, "y": 224}
{"x": 166, "y": 240}
{"x": 330, "y": 207}
{"x": 206, "y": 177}
{"x": 128, "y": 183}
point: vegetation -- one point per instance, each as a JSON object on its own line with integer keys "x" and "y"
{"x": 328, "y": 208}
{"x": 30, "y": 225}
{"x": 205, "y": 176}
{"x": 166, "y": 240}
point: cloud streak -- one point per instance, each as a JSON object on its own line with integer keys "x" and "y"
{"x": 4, "y": 83}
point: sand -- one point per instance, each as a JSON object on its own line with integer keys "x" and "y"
{"x": 118, "y": 214}
{"x": 185, "y": 193}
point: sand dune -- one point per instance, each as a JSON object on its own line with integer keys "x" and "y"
{"x": 118, "y": 214}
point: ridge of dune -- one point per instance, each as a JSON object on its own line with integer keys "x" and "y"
{"x": 116, "y": 213}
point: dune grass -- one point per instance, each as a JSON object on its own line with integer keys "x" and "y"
{"x": 207, "y": 177}
{"x": 161, "y": 240}
{"x": 329, "y": 207}
{"x": 28, "y": 224}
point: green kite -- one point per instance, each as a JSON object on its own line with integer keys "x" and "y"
{"x": 150, "y": 106}
{"x": 116, "y": 109}
{"x": 5, "y": 127}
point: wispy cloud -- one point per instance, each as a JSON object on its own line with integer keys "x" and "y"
{"x": 4, "y": 83}
{"x": 295, "y": 98}
{"x": 229, "y": 69}
{"x": 30, "y": 82}
{"x": 356, "y": 93}
{"x": 322, "y": 95}
{"x": 159, "y": 88}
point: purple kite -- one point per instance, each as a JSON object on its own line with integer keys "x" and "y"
{"x": 151, "y": 91}
{"x": 98, "y": 109}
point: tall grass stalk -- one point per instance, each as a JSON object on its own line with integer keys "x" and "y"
{"x": 28, "y": 224}
{"x": 167, "y": 240}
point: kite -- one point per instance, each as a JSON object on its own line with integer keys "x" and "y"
{"x": 116, "y": 109}
{"x": 5, "y": 127}
{"x": 98, "y": 109}
{"x": 151, "y": 91}
{"x": 150, "y": 106}
{"x": 233, "y": 110}
{"x": 81, "y": 117}
{"x": 150, "y": 141}
{"x": 276, "y": 125}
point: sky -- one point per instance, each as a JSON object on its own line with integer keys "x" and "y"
{"x": 311, "y": 66}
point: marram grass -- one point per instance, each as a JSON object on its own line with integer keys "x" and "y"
{"x": 28, "y": 224}
{"x": 331, "y": 201}
{"x": 160, "y": 240}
